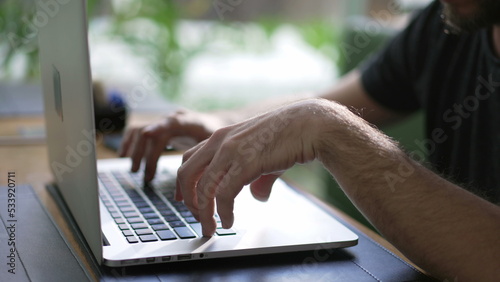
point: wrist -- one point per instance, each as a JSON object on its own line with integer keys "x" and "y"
{"x": 331, "y": 128}
{"x": 344, "y": 140}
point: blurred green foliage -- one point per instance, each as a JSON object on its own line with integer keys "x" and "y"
{"x": 162, "y": 51}
{"x": 18, "y": 35}
{"x": 151, "y": 30}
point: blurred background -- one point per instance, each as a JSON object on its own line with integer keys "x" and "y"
{"x": 208, "y": 55}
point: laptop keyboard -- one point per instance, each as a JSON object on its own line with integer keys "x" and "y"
{"x": 149, "y": 214}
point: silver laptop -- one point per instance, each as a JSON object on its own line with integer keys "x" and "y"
{"x": 127, "y": 224}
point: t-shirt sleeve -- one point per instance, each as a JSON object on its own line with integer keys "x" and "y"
{"x": 390, "y": 76}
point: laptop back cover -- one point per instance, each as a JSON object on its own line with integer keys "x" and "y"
{"x": 66, "y": 81}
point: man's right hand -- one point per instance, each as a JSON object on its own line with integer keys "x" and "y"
{"x": 148, "y": 142}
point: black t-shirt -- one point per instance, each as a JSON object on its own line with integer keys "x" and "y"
{"x": 455, "y": 80}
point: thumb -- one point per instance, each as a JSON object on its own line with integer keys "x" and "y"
{"x": 261, "y": 188}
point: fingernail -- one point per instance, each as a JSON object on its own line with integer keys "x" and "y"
{"x": 177, "y": 197}
{"x": 134, "y": 168}
{"x": 147, "y": 177}
{"x": 196, "y": 217}
{"x": 207, "y": 233}
{"x": 261, "y": 198}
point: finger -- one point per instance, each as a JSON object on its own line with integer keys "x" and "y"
{"x": 185, "y": 157}
{"x": 138, "y": 144}
{"x": 205, "y": 163}
{"x": 186, "y": 185}
{"x": 223, "y": 184}
{"x": 178, "y": 195}
{"x": 206, "y": 204}
{"x": 206, "y": 191}
{"x": 157, "y": 140}
{"x": 138, "y": 149}
{"x": 230, "y": 187}
{"x": 225, "y": 200}
{"x": 261, "y": 188}
{"x": 151, "y": 157}
{"x": 126, "y": 141}
{"x": 188, "y": 175}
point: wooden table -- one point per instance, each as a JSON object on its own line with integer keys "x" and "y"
{"x": 29, "y": 161}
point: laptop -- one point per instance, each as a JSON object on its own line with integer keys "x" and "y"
{"x": 123, "y": 222}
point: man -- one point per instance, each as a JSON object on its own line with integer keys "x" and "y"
{"x": 447, "y": 63}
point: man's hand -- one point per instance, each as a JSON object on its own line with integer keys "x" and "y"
{"x": 148, "y": 142}
{"x": 253, "y": 152}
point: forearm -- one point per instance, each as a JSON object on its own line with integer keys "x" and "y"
{"x": 348, "y": 91}
{"x": 236, "y": 115}
{"x": 439, "y": 226}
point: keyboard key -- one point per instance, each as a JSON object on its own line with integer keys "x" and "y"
{"x": 177, "y": 224}
{"x": 148, "y": 238}
{"x": 146, "y": 210}
{"x": 119, "y": 199}
{"x": 115, "y": 192}
{"x": 120, "y": 220}
{"x": 191, "y": 219}
{"x": 127, "y": 208}
{"x": 137, "y": 199}
{"x": 133, "y": 194}
{"x": 150, "y": 215}
{"x": 127, "y": 186}
{"x": 141, "y": 204}
{"x": 172, "y": 218}
{"x": 166, "y": 235}
{"x": 169, "y": 195}
{"x": 161, "y": 205}
{"x": 225, "y": 232}
{"x": 136, "y": 226}
{"x": 146, "y": 231}
{"x": 136, "y": 176}
{"x": 132, "y": 239}
{"x": 128, "y": 233}
{"x": 135, "y": 220}
{"x": 167, "y": 212}
{"x": 197, "y": 228}
{"x": 123, "y": 226}
{"x": 184, "y": 232}
{"x": 153, "y": 197}
{"x": 157, "y": 201}
{"x": 154, "y": 221}
{"x": 157, "y": 227}
{"x": 180, "y": 206}
{"x": 186, "y": 214}
{"x": 130, "y": 214}
{"x": 126, "y": 204}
